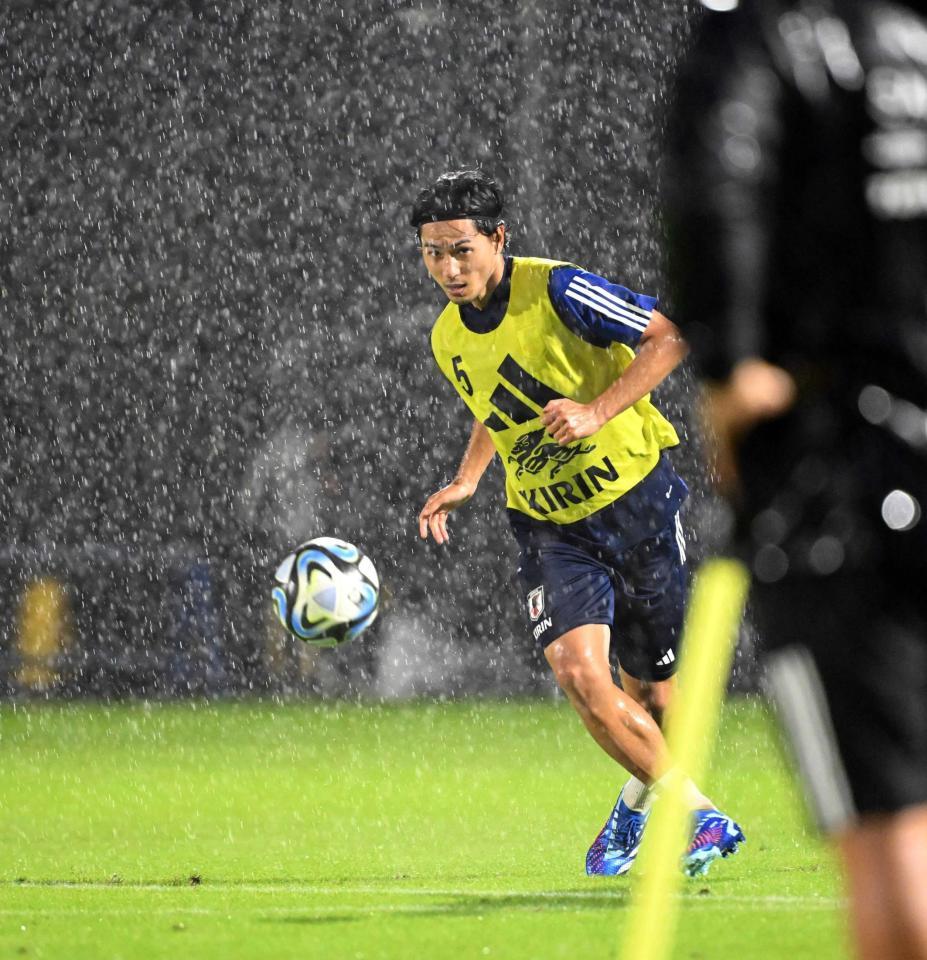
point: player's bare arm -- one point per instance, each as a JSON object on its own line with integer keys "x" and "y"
{"x": 480, "y": 451}
{"x": 662, "y": 348}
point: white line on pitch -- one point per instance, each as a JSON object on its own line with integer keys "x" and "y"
{"x": 616, "y": 896}
{"x": 348, "y": 910}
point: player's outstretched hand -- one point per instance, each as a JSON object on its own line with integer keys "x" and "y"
{"x": 434, "y": 514}
{"x": 567, "y": 420}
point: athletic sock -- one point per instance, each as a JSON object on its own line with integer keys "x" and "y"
{"x": 637, "y": 795}
{"x": 692, "y": 797}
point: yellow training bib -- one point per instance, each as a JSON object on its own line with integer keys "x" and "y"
{"x": 508, "y": 375}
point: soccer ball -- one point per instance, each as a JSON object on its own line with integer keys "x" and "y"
{"x": 326, "y": 592}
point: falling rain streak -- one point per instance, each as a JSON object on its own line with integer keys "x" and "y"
{"x": 215, "y": 326}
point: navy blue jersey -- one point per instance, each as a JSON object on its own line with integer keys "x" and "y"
{"x": 599, "y": 311}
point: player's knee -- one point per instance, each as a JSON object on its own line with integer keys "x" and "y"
{"x": 653, "y": 695}
{"x": 655, "y": 698}
{"x": 580, "y": 681}
{"x": 568, "y": 675}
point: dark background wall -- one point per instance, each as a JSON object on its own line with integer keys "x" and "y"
{"x": 214, "y": 321}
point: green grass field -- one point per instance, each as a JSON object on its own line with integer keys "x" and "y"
{"x": 342, "y": 831}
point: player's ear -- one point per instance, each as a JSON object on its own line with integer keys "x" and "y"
{"x": 499, "y": 238}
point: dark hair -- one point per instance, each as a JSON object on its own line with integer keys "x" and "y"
{"x": 461, "y": 195}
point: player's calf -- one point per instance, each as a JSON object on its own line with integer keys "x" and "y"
{"x": 621, "y": 727}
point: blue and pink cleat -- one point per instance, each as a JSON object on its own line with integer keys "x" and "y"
{"x": 714, "y": 835}
{"x": 613, "y": 851}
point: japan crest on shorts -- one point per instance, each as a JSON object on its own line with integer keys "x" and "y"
{"x": 536, "y": 603}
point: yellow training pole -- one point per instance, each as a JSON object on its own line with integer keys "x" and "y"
{"x": 715, "y": 611}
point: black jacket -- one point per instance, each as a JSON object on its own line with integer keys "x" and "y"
{"x": 796, "y": 212}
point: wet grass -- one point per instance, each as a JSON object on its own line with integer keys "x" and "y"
{"x": 343, "y": 831}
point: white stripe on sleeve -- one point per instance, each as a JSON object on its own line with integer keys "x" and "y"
{"x": 587, "y": 297}
{"x": 618, "y": 302}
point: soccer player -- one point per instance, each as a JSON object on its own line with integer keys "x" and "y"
{"x": 799, "y": 167}
{"x": 556, "y": 365}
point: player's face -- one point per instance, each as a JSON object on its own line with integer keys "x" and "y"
{"x": 465, "y": 263}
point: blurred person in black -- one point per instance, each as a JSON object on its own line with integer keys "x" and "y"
{"x": 796, "y": 207}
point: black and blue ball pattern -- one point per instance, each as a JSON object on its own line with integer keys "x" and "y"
{"x": 326, "y": 592}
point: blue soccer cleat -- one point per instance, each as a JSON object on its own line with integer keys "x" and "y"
{"x": 713, "y": 835}
{"x": 613, "y": 851}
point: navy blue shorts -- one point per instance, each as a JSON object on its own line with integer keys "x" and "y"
{"x": 577, "y": 574}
